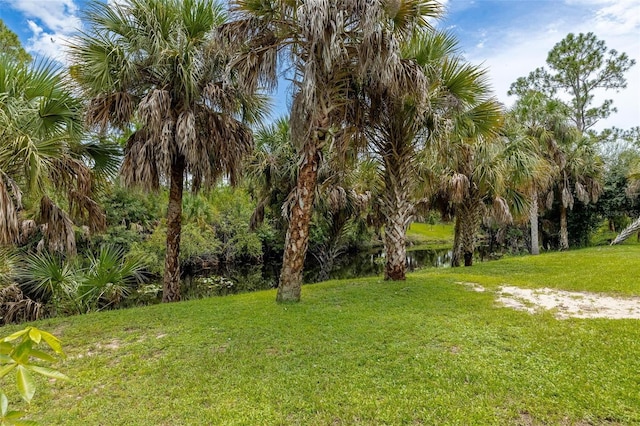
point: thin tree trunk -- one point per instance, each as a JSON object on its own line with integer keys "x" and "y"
{"x": 533, "y": 223}
{"x": 297, "y": 239}
{"x": 564, "y": 233}
{"x": 456, "y": 253}
{"x": 171, "y": 282}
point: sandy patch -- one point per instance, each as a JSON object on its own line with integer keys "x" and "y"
{"x": 570, "y": 304}
{"x": 566, "y": 304}
{"x": 473, "y": 286}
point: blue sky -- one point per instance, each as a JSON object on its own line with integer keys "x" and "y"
{"x": 509, "y": 37}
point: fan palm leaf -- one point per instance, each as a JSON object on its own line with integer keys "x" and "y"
{"x": 42, "y": 129}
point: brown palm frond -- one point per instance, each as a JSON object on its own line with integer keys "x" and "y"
{"x": 582, "y": 193}
{"x": 549, "y": 200}
{"x": 15, "y": 307}
{"x": 595, "y": 189}
{"x": 186, "y": 136}
{"x": 28, "y": 228}
{"x": 336, "y": 198}
{"x": 111, "y": 108}
{"x": 228, "y": 141}
{"x": 58, "y": 227}
{"x": 74, "y": 176}
{"x": 458, "y": 185}
{"x": 633, "y": 228}
{"x": 10, "y": 205}
{"x": 89, "y": 211}
{"x": 154, "y": 108}
{"x": 140, "y": 165}
{"x": 566, "y": 197}
{"x": 500, "y": 211}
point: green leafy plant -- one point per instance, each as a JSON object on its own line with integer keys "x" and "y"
{"x": 71, "y": 286}
{"x": 17, "y": 353}
{"x": 53, "y": 280}
{"x": 109, "y": 278}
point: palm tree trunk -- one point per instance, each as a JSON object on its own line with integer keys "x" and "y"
{"x": 533, "y": 223}
{"x": 564, "y": 233}
{"x": 171, "y": 282}
{"x": 297, "y": 239}
{"x": 470, "y": 217}
{"x": 398, "y": 212}
{"x": 456, "y": 253}
{"x": 395, "y": 231}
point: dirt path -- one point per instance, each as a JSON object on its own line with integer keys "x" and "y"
{"x": 566, "y": 304}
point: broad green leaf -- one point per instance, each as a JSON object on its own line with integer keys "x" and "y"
{"x": 6, "y": 369}
{"x": 5, "y": 347}
{"x": 15, "y": 415}
{"x": 40, "y": 355}
{"x": 24, "y": 423}
{"x": 4, "y": 359}
{"x": 34, "y": 334}
{"x": 15, "y": 335}
{"x": 26, "y": 385}
{"x": 22, "y": 351}
{"x": 47, "y": 372}
{"x": 4, "y": 404}
{"x": 52, "y": 341}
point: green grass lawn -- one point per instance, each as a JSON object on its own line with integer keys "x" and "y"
{"x": 360, "y": 352}
{"x": 426, "y": 236}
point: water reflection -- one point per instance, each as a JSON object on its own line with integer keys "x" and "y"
{"x": 258, "y": 276}
{"x": 366, "y": 264}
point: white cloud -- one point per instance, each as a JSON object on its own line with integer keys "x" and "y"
{"x": 57, "y": 15}
{"x": 48, "y": 44}
{"x": 524, "y": 49}
{"x": 52, "y": 23}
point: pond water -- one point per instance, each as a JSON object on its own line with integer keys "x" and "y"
{"x": 252, "y": 276}
{"x": 366, "y": 264}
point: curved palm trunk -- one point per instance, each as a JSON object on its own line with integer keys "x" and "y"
{"x": 533, "y": 223}
{"x": 564, "y": 233}
{"x": 297, "y": 239}
{"x": 171, "y": 282}
{"x": 627, "y": 232}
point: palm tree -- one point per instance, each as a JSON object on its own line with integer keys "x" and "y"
{"x": 338, "y": 204}
{"x": 580, "y": 178}
{"x": 577, "y": 167}
{"x": 272, "y": 171}
{"x": 539, "y": 122}
{"x": 401, "y": 127}
{"x": 465, "y": 163}
{"x": 333, "y": 49}
{"x": 156, "y": 63}
{"x": 42, "y": 157}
